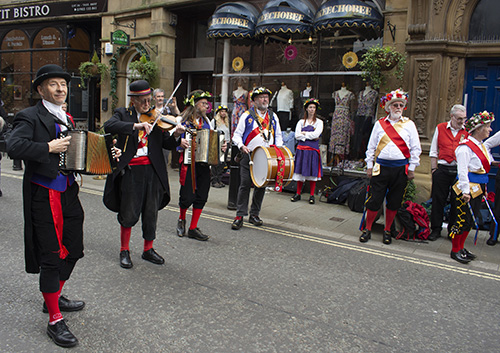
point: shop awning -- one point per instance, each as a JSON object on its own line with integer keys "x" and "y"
{"x": 233, "y": 20}
{"x": 349, "y": 16}
{"x": 286, "y": 16}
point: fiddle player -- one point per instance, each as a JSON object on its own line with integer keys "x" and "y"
{"x": 195, "y": 118}
{"x": 53, "y": 215}
{"x": 258, "y": 126}
{"x": 139, "y": 186}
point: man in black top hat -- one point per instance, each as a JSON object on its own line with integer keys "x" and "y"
{"x": 139, "y": 186}
{"x": 53, "y": 215}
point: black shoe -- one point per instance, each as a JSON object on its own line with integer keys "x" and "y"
{"x": 125, "y": 261}
{"x": 468, "y": 254}
{"x": 367, "y": 234}
{"x": 152, "y": 256}
{"x": 197, "y": 234}
{"x": 387, "y": 237}
{"x": 61, "y": 335}
{"x": 312, "y": 201}
{"x": 237, "y": 223}
{"x": 1, "y": 193}
{"x": 295, "y": 198}
{"x": 181, "y": 227}
{"x": 67, "y": 305}
{"x": 460, "y": 257}
{"x": 255, "y": 220}
{"x": 491, "y": 241}
{"x": 435, "y": 234}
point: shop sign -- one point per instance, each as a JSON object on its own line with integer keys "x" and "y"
{"x": 120, "y": 37}
{"x": 52, "y": 9}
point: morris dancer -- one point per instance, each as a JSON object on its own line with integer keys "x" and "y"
{"x": 473, "y": 164}
{"x": 308, "y": 157}
{"x": 258, "y": 126}
{"x": 194, "y": 192}
{"x": 139, "y": 186}
{"x": 393, "y": 154}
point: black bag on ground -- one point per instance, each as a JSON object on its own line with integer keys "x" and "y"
{"x": 341, "y": 192}
{"x": 357, "y": 196}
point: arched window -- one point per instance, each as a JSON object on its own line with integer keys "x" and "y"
{"x": 48, "y": 38}
{"x": 484, "y": 24}
{"x": 78, "y": 48}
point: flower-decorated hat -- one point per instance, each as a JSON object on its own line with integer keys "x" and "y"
{"x": 478, "y": 119}
{"x": 195, "y": 96}
{"x": 312, "y": 101}
{"x": 395, "y": 96}
{"x": 221, "y": 107}
{"x": 257, "y": 91}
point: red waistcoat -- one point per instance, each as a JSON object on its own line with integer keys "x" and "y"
{"x": 447, "y": 143}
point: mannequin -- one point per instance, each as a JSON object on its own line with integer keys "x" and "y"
{"x": 285, "y": 105}
{"x": 240, "y": 96}
{"x": 341, "y": 122}
{"x": 363, "y": 121}
{"x": 249, "y": 100}
{"x": 306, "y": 93}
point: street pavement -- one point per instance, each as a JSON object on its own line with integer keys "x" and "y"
{"x": 300, "y": 283}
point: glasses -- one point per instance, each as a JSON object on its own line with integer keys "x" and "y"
{"x": 143, "y": 101}
{"x": 398, "y": 105}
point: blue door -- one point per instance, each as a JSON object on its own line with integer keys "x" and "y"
{"x": 482, "y": 92}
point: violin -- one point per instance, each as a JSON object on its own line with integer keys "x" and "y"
{"x": 164, "y": 122}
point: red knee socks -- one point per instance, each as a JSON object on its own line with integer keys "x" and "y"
{"x": 182, "y": 215}
{"x": 195, "y": 218}
{"x": 299, "y": 187}
{"x": 148, "y": 244}
{"x": 370, "y": 218}
{"x": 462, "y": 240}
{"x": 458, "y": 241}
{"x": 52, "y": 302}
{"x": 389, "y": 218}
{"x": 312, "y": 184}
{"x": 125, "y": 238}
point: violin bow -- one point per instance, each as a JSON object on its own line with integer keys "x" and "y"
{"x": 169, "y": 99}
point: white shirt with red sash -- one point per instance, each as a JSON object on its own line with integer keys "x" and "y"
{"x": 469, "y": 161}
{"x": 391, "y": 151}
{"x": 242, "y": 129}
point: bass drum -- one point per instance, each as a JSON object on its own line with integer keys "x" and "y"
{"x": 264, "y": 166}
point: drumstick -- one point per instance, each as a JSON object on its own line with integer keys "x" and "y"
{"x": 475, "y": 223}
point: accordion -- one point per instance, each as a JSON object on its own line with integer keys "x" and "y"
{"x": 208, "y": 145}
{"x": 88, "y": 153}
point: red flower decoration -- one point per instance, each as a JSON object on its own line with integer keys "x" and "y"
{"x": 290, "y": 52}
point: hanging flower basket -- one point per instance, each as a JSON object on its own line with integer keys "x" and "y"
{"x": 144, "y": 69}
{"x": 378, "y": 62}
{"x": 93, "y": 68}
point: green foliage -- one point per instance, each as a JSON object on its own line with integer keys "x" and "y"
{"x": 378, "y": 60}
{"x": 144, "y": 69}
{"x": 410, "y": 192}
{"x": 93, "y": 68}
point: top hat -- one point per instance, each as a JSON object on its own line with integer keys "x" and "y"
{"x": 49, "y": 71}
{"x": 257, "y": 91}
{"x": 139, "y": 88}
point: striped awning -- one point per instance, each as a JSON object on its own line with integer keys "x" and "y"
{"x": 233, "y": 20}
{"x": 286, "y": 17}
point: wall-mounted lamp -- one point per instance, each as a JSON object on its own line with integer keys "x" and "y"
{"x": 290, "y": 40}
{"x": 392, "y": 29}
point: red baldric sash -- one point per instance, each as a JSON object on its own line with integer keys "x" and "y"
{"x": 308, "y": 148}
{"x": 58, "y": 219}
{"x": 395, "y": 137}
{"x": 480, "y": 153}
{"x": 280, "y": 157}
{"x": 257, "y": 130}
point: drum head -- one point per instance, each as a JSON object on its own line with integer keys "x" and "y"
{"x": 260, "y": 168}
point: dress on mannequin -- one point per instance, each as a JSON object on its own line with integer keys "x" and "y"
{"x": 363, "y": 122}
{"x": 285, "y": 105}
{"x": 341, "y": 122}
{"x": 239, "y": 99}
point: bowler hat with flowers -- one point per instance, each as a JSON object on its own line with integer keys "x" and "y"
{"x": 221, "y": 107}
{"x": 312, "y": 101}
{"x": 395, "y": 96}
{"x": 478, "y": 120}
{"x": 257, "y": 91}
{"x": 195, "y": 96}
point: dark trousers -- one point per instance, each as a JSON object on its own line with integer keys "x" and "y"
{"x": 464, "y": 221}
{"x": 362, "y": 129}
{"x": 141, "y": 194}
{"x": 284, "y": 118}
{"x": 496, "y": 209}
{"x": 244, "y": 191}
{"x": 390, "y": 183}
{"x": 442, "y": 181}
{"x": 52, "y": 268}
{"x": 198, "y": 198}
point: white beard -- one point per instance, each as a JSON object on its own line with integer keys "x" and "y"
{"x": 396, "y": 116}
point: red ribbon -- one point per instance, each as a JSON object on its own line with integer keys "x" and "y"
{"x": 280, "y": 158}
{"x": 57, "y": 216}
{"x": 479, "y": 152}
{"x": 395, "y": 137}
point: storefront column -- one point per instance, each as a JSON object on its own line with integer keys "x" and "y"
{"x": 225, "y": 72}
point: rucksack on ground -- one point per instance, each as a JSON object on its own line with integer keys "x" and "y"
{"x": 340, "y": 193}
{"x": 357, "y": 196}
{"x": 411, "y": 222}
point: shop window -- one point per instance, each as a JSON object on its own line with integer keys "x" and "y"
{"x": 47, "y": 38}
{"x": 78, "y": 48}
{"x": 484, "y": 24}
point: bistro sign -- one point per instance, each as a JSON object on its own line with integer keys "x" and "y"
{"x": 52, "y": 9}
